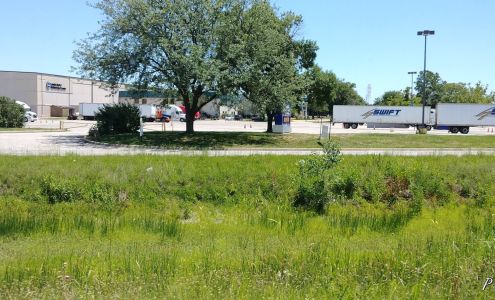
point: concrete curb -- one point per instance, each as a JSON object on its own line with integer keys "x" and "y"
{"x": 307, "y": 151}
{"x": 34, "y": 131}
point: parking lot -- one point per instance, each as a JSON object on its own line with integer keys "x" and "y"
{"x": 71, "y": 140}
{"x": 298, "y": 126}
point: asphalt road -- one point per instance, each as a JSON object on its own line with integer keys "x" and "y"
{"x": 72, "y": 140}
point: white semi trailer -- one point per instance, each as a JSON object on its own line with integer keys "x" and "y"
{"x": 87, "y": 111}
{"x": 351, "y": 116}
{"x": 454, "y": 117}
{"x": 459, "y": 117}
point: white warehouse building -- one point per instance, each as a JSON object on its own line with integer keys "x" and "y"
{"x": 43, "y": 91}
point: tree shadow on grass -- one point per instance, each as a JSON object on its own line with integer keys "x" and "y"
{"x": 197, "y": 140}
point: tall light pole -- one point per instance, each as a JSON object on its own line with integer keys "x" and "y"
{"x": 412, "y": 81}
{"x": 425, "y": 33}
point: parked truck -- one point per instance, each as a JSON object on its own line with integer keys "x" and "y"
{"x": 148, "y": 112}
{"x": 454, "y": 117}
{"x": 87, "y": 111}
{"x": 29, "y": 116}
{"x": 351, "y": 116}
{"x": 173, "y": 112}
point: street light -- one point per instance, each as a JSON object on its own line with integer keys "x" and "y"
{"x": 412, "y": 80}
{"x": 425, "y": 33}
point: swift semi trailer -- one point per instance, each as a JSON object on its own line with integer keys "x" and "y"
{"x": 459, "y": 117}
{"x": 454, "y": 117}
{"x": 351, "y": 116}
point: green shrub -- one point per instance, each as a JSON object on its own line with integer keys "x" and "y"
{"x": 116, "y": 119}
{"x": 311, "y": 193}
{"x": 11, "y": 113}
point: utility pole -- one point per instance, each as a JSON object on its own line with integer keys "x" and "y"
{"x": 425, "y": 33}
{"x": 412, "y": 81}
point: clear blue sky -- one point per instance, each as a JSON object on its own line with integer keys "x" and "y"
{"x": 365, "y": 42}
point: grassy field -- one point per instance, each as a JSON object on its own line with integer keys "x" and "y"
{"x": 222, "y": 140}
{"x": 200, "y": 227}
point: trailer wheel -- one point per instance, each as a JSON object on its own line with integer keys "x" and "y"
{"x": 346, "y": 126}
{"x": 428, "y": 127}
{"x": 354, "y": 126}
{"x": 454, "y": 130}
{"x": 465, "y": 130}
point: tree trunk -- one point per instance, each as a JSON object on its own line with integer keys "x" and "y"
{"x": 191, "y": 110}
{"x": 269, "y": 127}
{"x": 189, "y": 123}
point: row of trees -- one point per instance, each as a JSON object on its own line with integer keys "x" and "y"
{"x": 438, "y": 91}
{"x": 201, "y": 49}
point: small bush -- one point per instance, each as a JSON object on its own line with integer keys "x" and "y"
{"x": 116, "y": 119}
{"x": 11, "y": 113}
{"x": 311, "y": 193}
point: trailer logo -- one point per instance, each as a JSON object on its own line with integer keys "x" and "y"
{"x": 381, "y": 112}
{"x": 486, "y": 113}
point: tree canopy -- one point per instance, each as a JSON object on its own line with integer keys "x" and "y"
{"x": 432, "y": 90}
{"x": 201, "y": 48}
{"x": 266, "y": 61}
{"x": 327, "y": 90}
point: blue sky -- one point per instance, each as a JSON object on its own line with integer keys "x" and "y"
{"x": 365, "y": 42}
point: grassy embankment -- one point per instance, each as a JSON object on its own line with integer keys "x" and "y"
{"x": 201, "y": 227}
{"x": 222, "y": 140}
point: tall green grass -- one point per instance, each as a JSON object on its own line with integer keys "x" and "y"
{"x": 198, "y": 227}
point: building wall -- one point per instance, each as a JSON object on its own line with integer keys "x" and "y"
{"x": 145, "y": 100}
{"x": 19, "y": 86}
{"x": 41, "y": 91}
{"x": 70, "y": 92}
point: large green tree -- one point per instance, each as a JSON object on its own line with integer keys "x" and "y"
{"x": 397, "y": 98}
{"x": 327, "y": 90}
{"x": 266, "y": 61}
{"x": 347, "y": 95}
{"x": 322, "y": 94}
{"x": 465, "y": 93}
{"x": 162, "y": 44}
{"x": 429, "y": 86}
